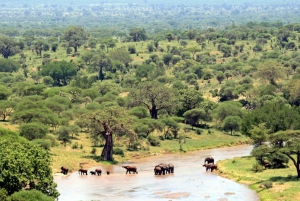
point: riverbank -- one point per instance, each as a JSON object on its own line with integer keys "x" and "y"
{"x": 84, "y": 157}
{"x": 271, "y": 184}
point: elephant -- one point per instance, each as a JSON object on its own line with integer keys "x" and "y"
{"x": 157, "y": 170}
{"x": 64, "y": 170}
{"x": 98, "y": 171}
{"x": 209, "y": 160}
{"x": 164, "y": 168}
{"x": 92, "y": 172}
{"x": 210, "y": 167}
{"x": 171, "y": 168}
{"x": 82, "y": 171}
{"x": 130, "y": 169}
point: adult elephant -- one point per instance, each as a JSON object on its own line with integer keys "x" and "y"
{"x": 209, "y": 160}
{"x": 98, "y": 171}
{"x": 130, "y": 168}
{"x": 157, "y": 170}
{"x": 64, "y": 170}
{"x": 171, "y": 168}
{"x": 83, "y": 171}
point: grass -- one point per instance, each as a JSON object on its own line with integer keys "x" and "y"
{"x": 284, "y": 182}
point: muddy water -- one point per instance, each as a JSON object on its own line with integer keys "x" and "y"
{"x": 190, "y": 181}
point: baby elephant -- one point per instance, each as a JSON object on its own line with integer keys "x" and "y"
{"x": 92, "y": 172}
{"x": 210, "y": 167}
{"x": 130, "y": 169}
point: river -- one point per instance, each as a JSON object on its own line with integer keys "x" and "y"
{"x": 190, "y": 181}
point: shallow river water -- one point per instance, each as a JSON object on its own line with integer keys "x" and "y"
{"x": 190, "y": 181}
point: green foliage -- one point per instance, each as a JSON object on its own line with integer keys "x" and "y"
{"x": 31, "y": 195}
{"x": 8, "y": 65}
{"x": 33, "y": 131}
{"x": 231, "y": 123}
{"x": 140, "y": 112}
{"x": 60, "y": 71}
{"x": 154, "y": 141}
{"x": 75, "y": 37}
{"x": 267, "y": 184}
{"x": 33, "y": 168}
{"x": 257, "y": 167}
{"x": 118, "y": 151}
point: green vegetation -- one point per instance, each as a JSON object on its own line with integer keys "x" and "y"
{"x": 90, "y": 95}
{"x": 270, "y": 184}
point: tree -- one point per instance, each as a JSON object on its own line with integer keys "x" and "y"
{"x": 231, "y": 123}
{"x": 33, "y": 131}
{"x": 32, "y": 195}
{"x": 171, "y": 127}
{"x": 101, "y": 62}
{"x": 228, "y": 108}
{"x": 107, "y": 123}
{"x": 121, "y": 55}
{"x": 33, "y": 168}
{"x": 6, "y": 108}
{"x": 193, "y": 116}
{"x": 8, "y": 47}
{"x": 190, "y": 99}
{"x": 7, "y": 65}
{"x": 154, "y": 96}
{"x": 287, "y": 143}
{"x": 4, "y": 92}
{"x": 138, "y": 34}
{"x": 269, "y": 71}
{"x": 40, "y": 46}
{"x": 75, "y": 37}
{"x": 220, "y": 77}
{"x": 259, "y": 134}
{"x": 167, "y": 58}
{"x": 64, "y": 135}
{"x": 226, "y": 49}
{"x": 60, "y": 71}
{"x": 193, "y": 50}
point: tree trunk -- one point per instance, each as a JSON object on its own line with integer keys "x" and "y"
{"x": 100, "y": 74}
{"x": 75, "y": 48}
{"x": 153, "y": 112}
{"x": 107, "y": 152}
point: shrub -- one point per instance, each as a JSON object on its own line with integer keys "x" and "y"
{"x": 31, "y": 195}
{"x": 33, "y": 131}
{"x": 75, "y": 145}
{"x": 45, "y": 144}
{"x": 118, "y": 151}
{"x": 198, "y": 131}
{"x": 94, "y": 150}
{"x": 257, "y": 168}
{"x": 267, "y": 184}
{"x": 153, "y": 141}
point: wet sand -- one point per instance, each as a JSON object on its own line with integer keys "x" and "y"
{"x": 189, "y": 181}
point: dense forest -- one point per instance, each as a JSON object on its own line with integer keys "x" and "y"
{"x": 131, "y": 77}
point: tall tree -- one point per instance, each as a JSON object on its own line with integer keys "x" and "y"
{"x": 75, "y": 37}
{"x": 154, "y": 96}
{"x": 138, "y": 34}
{"x": 8, "y": 47}
{"x": 107, "y": 123}
{"x": 269, "y": 71}
{"x": 101, "y": 62}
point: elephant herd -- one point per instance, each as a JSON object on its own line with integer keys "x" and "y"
{"x": 160, "y": 169}
{"x": 163, "y": 169}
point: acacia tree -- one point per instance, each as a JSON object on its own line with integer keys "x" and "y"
{"x": 101, "y": 62}
{"x": 269, "y": 71}
{"x": 108, "y": 122}
{"x": 287, "y": 143}
{"x": 31, "y": 167}
{"x": 8, "y": 47}
{"x": 154, "y": 96}
{"x": 75, "y": 36}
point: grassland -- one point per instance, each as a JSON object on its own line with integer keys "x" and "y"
{"x": 282, "y": 184}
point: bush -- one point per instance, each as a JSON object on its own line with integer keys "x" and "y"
{"x": 33, "y": 131}
{"x": 94, "y": 150}
{"x": 31, "y": 195}
{"x": 267, "y": 184}
{"x": 75, "y": 145}
{"x": 257, "y": 168}
{"x": 45, "y": 144}
{"x": 118, "y": 151}
{"x": 198, "y": 131}
{"x": 153, "y": 141}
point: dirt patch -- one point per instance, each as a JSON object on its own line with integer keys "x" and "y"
{"x": 177, "y": 195}
{"x": 124, "y": 94}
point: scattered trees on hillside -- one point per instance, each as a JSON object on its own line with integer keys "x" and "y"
{"x": 75, "y": 37}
